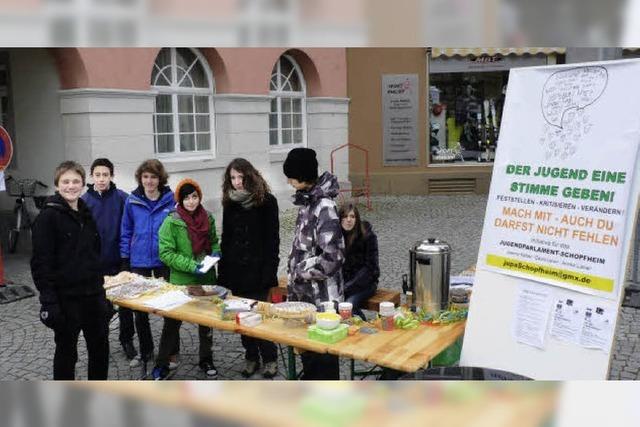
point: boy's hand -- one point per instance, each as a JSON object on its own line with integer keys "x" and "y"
{"x": 51, "y": 315}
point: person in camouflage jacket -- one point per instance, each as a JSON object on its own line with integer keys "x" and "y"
{"x": 317, "y": 252}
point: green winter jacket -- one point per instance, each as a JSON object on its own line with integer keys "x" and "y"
{"x": 177, "y": 254}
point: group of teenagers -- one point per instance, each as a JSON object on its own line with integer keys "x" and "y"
{"x": 156, "y": 232}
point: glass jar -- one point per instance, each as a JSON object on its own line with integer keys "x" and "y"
{"x": 345, "y": 309}
{"x": 387, "y": 311}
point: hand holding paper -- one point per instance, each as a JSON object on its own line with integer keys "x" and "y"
{"x": 208, "y": 262}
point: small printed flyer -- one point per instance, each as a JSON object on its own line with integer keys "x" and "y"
{"x": 531, "y": 314}
{"x": 582, "y": 320}
{"x": 568, "y": 316}
{"x": 598, "y": 327}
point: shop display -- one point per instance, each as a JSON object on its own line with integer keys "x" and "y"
{"x": 465, "y": 116}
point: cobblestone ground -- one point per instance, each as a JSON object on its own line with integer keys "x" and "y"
{"x": 26, "y": 347}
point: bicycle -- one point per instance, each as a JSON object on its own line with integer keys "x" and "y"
{"x": 23, "y": 189}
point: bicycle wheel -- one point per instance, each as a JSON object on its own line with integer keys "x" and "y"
{"x": 14, "y": 234}
{"x": 13, "y": 240}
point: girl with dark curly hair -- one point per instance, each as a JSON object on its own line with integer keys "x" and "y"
{"x": 250, "y": 247}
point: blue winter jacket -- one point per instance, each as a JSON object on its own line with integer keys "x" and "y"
{"x": 107, "y": 209}
{"x": 140, "y": 225}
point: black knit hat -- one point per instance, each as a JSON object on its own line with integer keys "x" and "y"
{"x": 301, "y": 164}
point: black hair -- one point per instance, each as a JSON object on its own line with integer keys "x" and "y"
{"x": 185, "y": 190}
{"x": 102, "y": 161}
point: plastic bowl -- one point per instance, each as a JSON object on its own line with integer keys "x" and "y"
{"x": 327, "y": 321}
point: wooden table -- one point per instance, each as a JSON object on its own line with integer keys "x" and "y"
{"x": 403, "y": 350}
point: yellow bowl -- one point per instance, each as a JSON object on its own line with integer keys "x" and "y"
{"x": 327, "y": 321}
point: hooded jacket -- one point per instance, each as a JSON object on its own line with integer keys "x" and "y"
{"x": 141, "y": 221}
{"x": 361, "y": 268}
{"x": 176, "y": 251}
{"x": 250, "y": 247}
{"x": 107, "y": 208}
{"x": 66, "y": 252}
{"x": 317, "y": 252}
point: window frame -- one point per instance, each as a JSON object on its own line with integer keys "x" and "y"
{"x": 174, "y": 90}
{"x": 278, "y": 95}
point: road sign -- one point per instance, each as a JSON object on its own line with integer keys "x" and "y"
{"x": 6, "y": 148}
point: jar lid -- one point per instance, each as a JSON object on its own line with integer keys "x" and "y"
{"x": 345, "y": 306}
{"x": 387, "y": 308}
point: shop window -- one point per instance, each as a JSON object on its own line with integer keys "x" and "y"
{"x": 466, "y": 98}
{"x": 183, "y": 118}
{"x": 287, "y": 119}
{"x": 465, "y": 111}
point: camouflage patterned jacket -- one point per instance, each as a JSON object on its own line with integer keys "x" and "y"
{"x": 317, "y": 253}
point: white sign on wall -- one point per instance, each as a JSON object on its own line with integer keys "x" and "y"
{"x": 400, "y": 95}
{"x": 484, "y": 63}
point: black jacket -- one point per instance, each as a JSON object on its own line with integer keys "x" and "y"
{"x": 66, "y": 252}
{"x": 250, "y": 247}
{"x": 361, "y": 269}
{"x": 107, "y": 210}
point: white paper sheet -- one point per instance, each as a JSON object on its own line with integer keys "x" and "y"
{"x": 531, "y": 314}
{"x": 237, "y": 304}
{"x": 597, "y": 329}
{"x": 568, "y": 316}
{"x": 208, "y": 262}
{"x": 3, "y": 186}
{"x": 168, "y": 301}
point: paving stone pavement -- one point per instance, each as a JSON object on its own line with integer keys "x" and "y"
{"x": 26, "y": 347}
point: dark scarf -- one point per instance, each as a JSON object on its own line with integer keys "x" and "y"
{"x": 198, "y": 229}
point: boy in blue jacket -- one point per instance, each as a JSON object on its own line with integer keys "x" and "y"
{"x": 106, "y": 203}
{"x": 144, "y": 211}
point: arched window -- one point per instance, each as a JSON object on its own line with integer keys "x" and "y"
{"x": 287, "y": 120}
{"x": 183, "y": 117}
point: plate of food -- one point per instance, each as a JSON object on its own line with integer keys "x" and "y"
{"x": 208, "y": 291}
{"x": 293, "y": 309}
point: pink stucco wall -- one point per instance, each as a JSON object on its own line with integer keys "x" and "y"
{"x": 236, "y": 70}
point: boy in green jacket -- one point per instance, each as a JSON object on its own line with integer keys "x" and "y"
{"x": 186, "y": 236}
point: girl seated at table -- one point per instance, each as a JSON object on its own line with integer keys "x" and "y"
{"x": 185, "y": 237}
{"x": 361, "y": 268}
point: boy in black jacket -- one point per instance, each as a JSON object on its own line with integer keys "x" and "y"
{"x": 66, "y": 269}
{"x": 106, "y": 203}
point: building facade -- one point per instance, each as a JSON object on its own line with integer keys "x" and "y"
{"x": 194, "y": 109}
{"x": 454, "y": 123}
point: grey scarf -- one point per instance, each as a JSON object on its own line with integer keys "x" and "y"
{"x": 243, "y": 197}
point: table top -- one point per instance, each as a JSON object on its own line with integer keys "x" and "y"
{"x": 403, "y": 350}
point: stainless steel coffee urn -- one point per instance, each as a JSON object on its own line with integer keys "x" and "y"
{"x": 429, "y": 268}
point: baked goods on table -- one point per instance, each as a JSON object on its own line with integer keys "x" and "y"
{"x": 293, "y": 309}
{"x": 127, "y": 285}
